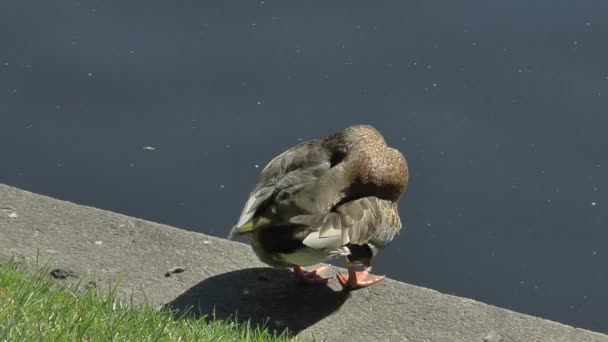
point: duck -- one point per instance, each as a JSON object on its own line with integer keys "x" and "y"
{"x": 325, "y": 198}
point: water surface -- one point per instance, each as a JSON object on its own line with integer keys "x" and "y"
{"x": 168, "y": 111}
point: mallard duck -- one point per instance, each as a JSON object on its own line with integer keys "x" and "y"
{"x": 327, "y": 198}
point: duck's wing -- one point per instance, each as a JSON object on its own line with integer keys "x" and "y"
{"x": 368, "y": 220}
{"x": 293, "y": 168}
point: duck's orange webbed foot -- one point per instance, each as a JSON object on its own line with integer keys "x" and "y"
{"x": 311, "y": 277}
{"x": 354, "y": 281}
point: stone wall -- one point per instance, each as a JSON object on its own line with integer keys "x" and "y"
{"x": 90, "y": 245}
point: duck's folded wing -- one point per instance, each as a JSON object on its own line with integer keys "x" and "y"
{"x": 366, "y": 220}
{"x": 298, "y": 164}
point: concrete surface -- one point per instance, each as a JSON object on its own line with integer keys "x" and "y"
{"x": 85, "y": 244}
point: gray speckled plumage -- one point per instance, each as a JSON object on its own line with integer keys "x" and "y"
{"x": 326, "y": 197}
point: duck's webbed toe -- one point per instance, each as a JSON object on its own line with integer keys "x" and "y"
{"x": 311, "y": 277}
{"x": 355, "y": 280}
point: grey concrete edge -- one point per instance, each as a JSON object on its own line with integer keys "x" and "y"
{"x": 222, "y": 277}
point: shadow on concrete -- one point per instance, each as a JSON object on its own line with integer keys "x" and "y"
{"x": 265, "y": 296}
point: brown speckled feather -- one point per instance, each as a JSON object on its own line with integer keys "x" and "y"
{"x": 366, "y": 220}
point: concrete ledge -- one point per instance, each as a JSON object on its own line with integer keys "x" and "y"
{"x": 220, "y": 274}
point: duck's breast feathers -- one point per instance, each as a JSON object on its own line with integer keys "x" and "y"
{"x": 366, "y": 220}
{"x": 378, "y": 221}
{"x": 295, "y": 167}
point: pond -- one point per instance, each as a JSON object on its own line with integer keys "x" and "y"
{"x": 168, "y": 112}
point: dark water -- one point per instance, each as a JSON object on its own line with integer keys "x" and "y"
{"x": 168, "y": 111}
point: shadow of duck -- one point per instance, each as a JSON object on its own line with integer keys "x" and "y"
{"x": 263, "y": 296}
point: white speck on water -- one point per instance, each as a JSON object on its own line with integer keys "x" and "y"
{"x": 259, "y": 102}
{"x": 132, "y": 51}
{"x": 557, "y": 189}
{"x": 149, "y": 148}
{"x": 593, "y": 204}
{"x": 12, "y": 215}
{"x": 227, "y": 146}
{"x": 245, "y": 291}
{"x": 256, "y": 166}
{"x": 594, "y": 253}
{"x": 588, "y": 24}
{"x": 434, "y": 84}
{"x": 99, "y": 243}
{"x": 90, "y": 74}
{"x": 222, "y": 186}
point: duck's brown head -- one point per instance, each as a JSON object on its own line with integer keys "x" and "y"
{"x": 371, "y": 167}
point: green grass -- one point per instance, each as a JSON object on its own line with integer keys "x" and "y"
{"x": 33, "y": 308}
